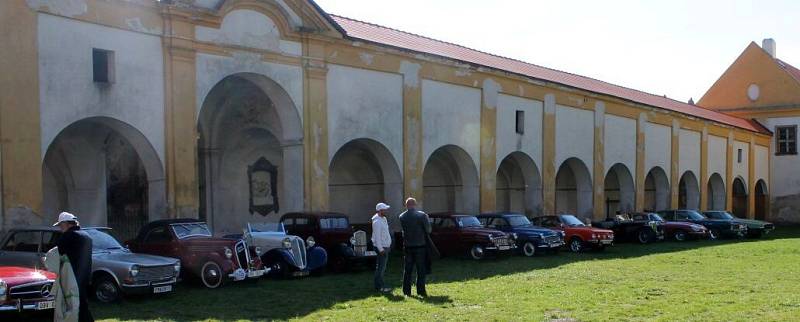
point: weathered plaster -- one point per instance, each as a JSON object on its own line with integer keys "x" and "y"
{"x": 248, "y": 28}
{"x": 658, "y": 147}
{"x": 620, "y": 143}
{"x": 689, "y": 152}
{"x": 507, "y": 139}
{"x": 451, "y": 114}
{"x": 741, "y": 169}
{"x": 574, "y": 135}
{"x": 410, "y": 72}
{"x": 716, "y": 156}
{"x": 69, "y": 8}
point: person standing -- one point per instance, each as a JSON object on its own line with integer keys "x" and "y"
{"x": 416, "y": 227}
{"x": 382, "y": 241}
{"x": 77, "y": 246}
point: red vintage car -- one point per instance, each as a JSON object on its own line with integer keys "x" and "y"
{"x": 25, "y": 289}
{"x": 676, "y": 230}
{"x": 576, "y": 234}
{"x": 332, "y": 231}
{"x": 459, "y": 234}
{"x": 214, "y": 260}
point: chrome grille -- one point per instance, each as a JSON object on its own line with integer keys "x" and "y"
{"x": 155, "y": 273}
{"x": 360, "y": 245}
{"x": 299, "y": 252}
{"x": 34, "y": 290}
{"x": 552, "y": 239}
{"x": 242, "y": 255}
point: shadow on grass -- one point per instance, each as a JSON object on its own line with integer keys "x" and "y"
{"x": 286, "y": 299}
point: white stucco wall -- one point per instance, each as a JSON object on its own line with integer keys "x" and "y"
{"x": 717, "y": 156}
{"x": 785, "y": 168}
{"x": 68, "y": 92}
{"x": 689, "y": 152}
{"x": 740, "y": 169}
{"x": 508, "y": 140}
{"x": 451, "y": 114}
{"x": 574, "y": 136}
{"x": 248, "y": 28}
{"x": 761, "y": 163}
{"x": 365, "y": 104}
{"x": 658, "y": 147}
{"x": 620, "y": 143}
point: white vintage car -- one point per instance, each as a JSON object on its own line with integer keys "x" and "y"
{"x": 285, "y": 255}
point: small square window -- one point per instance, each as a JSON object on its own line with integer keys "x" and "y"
{"x": 103, "y": 65}
{"x": 786, "y": 140}
{"x": 739, "y": 156}
{"x": 520, "y": 122}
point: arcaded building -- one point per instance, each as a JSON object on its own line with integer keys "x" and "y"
{"x": 241, "y": 110}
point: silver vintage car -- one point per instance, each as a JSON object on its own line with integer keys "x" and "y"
{"x": 286, "y": 255}
{"x": 115, "y": 270}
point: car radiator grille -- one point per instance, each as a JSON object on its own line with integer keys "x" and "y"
{"x": 155, "y": 273}
{"x": 31, "y": 291}
{"x": 502, "y": 241}
{"x": 552, "y": 239}
{"x": 360, "y": 246}
{"x": 242, "y": 257}
{"x": 299, "y": 252}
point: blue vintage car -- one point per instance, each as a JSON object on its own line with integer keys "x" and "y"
{"x": 286, "y": 255}
{"x": 530, "y": 239}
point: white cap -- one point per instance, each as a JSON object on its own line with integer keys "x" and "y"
{"x": 65, "y": 216}
{"x": 381, "y": 206}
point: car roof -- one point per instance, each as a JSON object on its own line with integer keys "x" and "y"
{"x": 501, "y": 214}
{"x": 449, "y": 214}
{"x": 164, "y": 222}
{"x": 318, "y": 214}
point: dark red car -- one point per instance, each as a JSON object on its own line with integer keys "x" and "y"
{"x": 577, "y": 235}
{"x": 333, "y": 232}
{"x": 676, "y": 230}
{"x": 459, "y": 234}
{"x": 25, "y": 289}
{"x": 214, "y": 260}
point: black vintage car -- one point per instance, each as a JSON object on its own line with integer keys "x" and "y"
{"x": 717, "y": 228}
{"x": 627, "y": 229}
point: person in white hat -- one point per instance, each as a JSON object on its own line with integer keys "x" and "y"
{"x": 382, "y": 241}
{"x": 77, "y": 245}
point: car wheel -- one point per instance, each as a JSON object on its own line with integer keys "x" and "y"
{"x": 211, "y": 275}
{"x": 529, "y": 249}
{"x": 679, "y": 235}
{"x": 106, "y": 289}
{"x": 714, "y": 234}
{"x": 477, "y": 252}
{"x": 576, "y": 245}
{"x": 279, "y": 268}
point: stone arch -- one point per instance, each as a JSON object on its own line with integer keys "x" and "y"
{"x": 450, "y": 181}
{"x": 574, "y": 189}
{"x": 620, "y": 192}
{"x": 688, "y": 191}
{"x": 519, "y": 185}
{"x": 716, "y": 192}
{"x": 739, "y": 194}
{"x": 762, "y": 200}
{"x": 245, "y": 117}
{"x": 107, "y": 173}
{"x": 362, "y": 173}
{"x": 656, "y": 190}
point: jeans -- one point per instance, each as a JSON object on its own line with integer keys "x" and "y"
{"x": 380, "y": 268}
{"x": 414, "y": 257}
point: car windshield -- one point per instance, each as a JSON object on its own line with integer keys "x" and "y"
{"x": 518, "y": 221}
{"x": 694, "y": 215}
{"x": 656, "y": 217}
{"x": 334, "y": 223}
{"x": 102, "y": 241}
{"x": 571, "y": 221}
{"x": 263, "y": 227}
{"x": 192, "y": 229}
{"x": 719, "y": 215}
{"x": 469, "y": 221}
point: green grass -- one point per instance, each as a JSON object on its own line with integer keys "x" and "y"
{"x": 693, "y": 281}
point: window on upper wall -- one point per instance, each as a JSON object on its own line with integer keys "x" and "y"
{"x": 103, "y": 66}
{"x": 520, "y": 122}
{"x": 786, "y": 140}
{"x": 739, "y": 156}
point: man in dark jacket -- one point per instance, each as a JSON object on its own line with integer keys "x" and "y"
{"x": 77, "y": 245}
{"x": 416, "y": 227}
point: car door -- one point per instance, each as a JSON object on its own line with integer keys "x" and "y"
{"x": 22, "y": 248}
{"x": 159, "y": 241}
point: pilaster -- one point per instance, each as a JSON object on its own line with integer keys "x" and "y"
{"x": 549, "y": 155}
{"x": 491, "y": 90}
{"x": 598, "y": 179}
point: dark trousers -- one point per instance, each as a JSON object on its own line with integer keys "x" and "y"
{"x": 380, "y": 269}
{"x": 414, "y": 257}
{"x": 84, "y": 315}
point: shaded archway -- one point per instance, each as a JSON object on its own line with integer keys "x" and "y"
{"x": 519, "y": 185}
{"x": 656, "y": 190}
{"x": 620, "y": 193}
{"x": 246, "y": 117}
{"x": 450, "y": 181}
{"x": 716, "y": 192}
{"x": 739, "y": 198}
{"x": 362, "y": 173}
{"x": 574, "y": 189}
{"x": 107, "y": 173}
{"x": 688, "y": 191}
{"x": 762, "y": 200}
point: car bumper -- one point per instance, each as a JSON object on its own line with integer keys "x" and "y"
{"x": 600, "y": 242}
{"x": 500, "y": 249}
{"x": 241, "y": 274}
{"x": 16, "y": 305}
{"x": 697, "y": 234}
{"x": 555, "y": 245}
{"x": 150, "y": 287}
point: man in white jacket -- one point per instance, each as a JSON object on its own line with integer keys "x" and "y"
{"x": 382, "y": 241}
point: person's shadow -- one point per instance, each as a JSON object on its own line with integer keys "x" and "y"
{"x": 437, "y": 299}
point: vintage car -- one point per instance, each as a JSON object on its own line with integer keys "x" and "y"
{"x": 459, "y": 234}
{"x": 332, "y": 232}
{"x": 211, "y": 259}
{"x": 755, "y": 228}
{"x": 576, "y": 234}
{"x": 530, "y": 239}
{"x": 717, "y": 228}
{"x": 115, "y": 270}
{"x": 677, "y": 230}
{"x": 25, "y": 289}
{"x": 638, "y": 229}
{"x": 286, "y": 255}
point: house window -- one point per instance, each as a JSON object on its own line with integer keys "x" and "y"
{"x": 739, "y": 156}
{"x": 520, "y": 122}
{"x": 103, "y": 65}
{"x": 786, "y": 140}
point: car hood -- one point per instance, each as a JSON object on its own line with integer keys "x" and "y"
{"x": 133, "y": 258}
{"x": 269, "y": 240}
{"x": 591, "y": 229}
{"x": 535, "y": 231}
{"x": 208, "y": 241}
{"x": 14, "y": 275}
{"x": 679, "y": 224}
{"x": 483, "y": 231}
{"x": 751, "y": 222}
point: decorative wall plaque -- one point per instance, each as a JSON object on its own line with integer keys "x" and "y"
{"x": 263, "y": 179}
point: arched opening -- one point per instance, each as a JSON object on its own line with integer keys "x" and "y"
{"x": 656, "y": 190}
{"x": 739, "y": 198}
{"x": 363, "y": 173}
{"x": 619, "y": 190}
{"x": 762, "y": 198}
{"x": 450, "y": 181}
{"x": 716, "y": 192}
{"x": 244, "y": 119}
{"x": 574, "y": 189}
{"x": 688, "y": 192}
{"x": 519, "y": 186}
{"x": 106, "y": 173}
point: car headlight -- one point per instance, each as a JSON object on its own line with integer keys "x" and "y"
{"x": 287, "y": 243}
{"x": 353, "y": 241}
{"x": 594, "y": 236}
{"x": 563, "y": 234}
{"x": 177, "y": 267}
{"x": 695, "y": 228}
{"x": 228, "y": 252}
{"x": 514, "y": 236}
{"x": 3, "y": 290}
{"x": 134, "y": 271}
{"x": 258, "y": 250}
{"x": 310, "y": 242}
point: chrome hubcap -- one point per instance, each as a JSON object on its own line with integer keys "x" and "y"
{"x": 529, "y": 249}
{"x": 575, "y": 245}
{"x": 106, "y": 292}
{"x": 477, "y": 252}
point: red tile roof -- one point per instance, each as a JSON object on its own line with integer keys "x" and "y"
{"x": 386, "y": 36}
{"x": 793, "y": 71}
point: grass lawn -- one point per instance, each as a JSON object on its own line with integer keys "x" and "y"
{"x": 697, "y": 281}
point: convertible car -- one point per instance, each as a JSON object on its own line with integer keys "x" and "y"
{"x": 531, "y": 239}
{"x": 577, "y": 235}
{"x": 755, "y": 228}
{"x": 639, "y": 229}
{"x": 677, "y": 230}
{"x": 717, "y": 228}
{"x": 286, "y": 255}
{"x": 25, "y": 289}
{"x": 459, "y": 234}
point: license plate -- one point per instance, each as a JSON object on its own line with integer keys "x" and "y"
{"x": 554, "y": 245}
{"x": 45, "y": 305}
{"x": 255, "y": 273}
{"x": 370, "y": 253}
{"x": 607, "y": 242}
{"x": 504, "y": 247}
{"x": 300, "y": 273}
{"x": 162, "y": 289}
